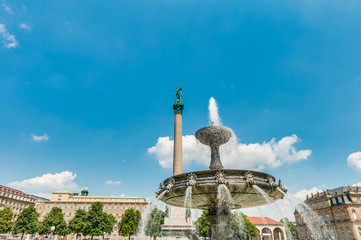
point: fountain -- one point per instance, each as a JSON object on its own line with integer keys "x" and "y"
{"x": 219, "y": 190}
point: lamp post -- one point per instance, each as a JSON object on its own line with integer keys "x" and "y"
{"x": 52, "y": 229}
{"x": 104, "y": 235}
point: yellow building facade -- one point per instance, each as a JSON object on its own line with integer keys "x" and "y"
{"x": 16, "y": 199}
{"x": 69, "y": 202}
{"x": 337, "y": 214}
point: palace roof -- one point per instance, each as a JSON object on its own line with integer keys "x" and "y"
{"x": 263, "y": 221}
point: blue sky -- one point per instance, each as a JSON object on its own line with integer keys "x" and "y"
{"x": 96, "y": 77}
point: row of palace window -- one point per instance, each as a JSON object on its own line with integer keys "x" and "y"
{"x": 335, "y": 201}
{"x": 326, "y": 218}
{"x": 332, "y": 233}
{"x": 4, "y": 201}
{"x": 88, "y": 207}
{"x": 14, "y": 196}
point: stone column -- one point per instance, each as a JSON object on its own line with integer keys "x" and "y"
{"x": 177, "y": 150}
{"x": 176, "y": 225}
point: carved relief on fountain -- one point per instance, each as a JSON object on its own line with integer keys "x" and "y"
{"x": 191, "y": 179}
{"x": 170, "y": 184}
{"x": 249, "y": 178}
{"x": 271, "y": 181}
{"x": 221, "y": 178}
{"x": 159, "y": 189}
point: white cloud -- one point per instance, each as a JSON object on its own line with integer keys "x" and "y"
{"x": 44, "y": 137}
{"x": 24, "y": 26}
{"x": 8, "y": 40}
{"x": 234, "y": 155}
{"x": 302, "y": 195}
{"x": 354, "y": 160}
{"x": 6, "y": 7}
{"x": 110, "y": 182}
{"x": 357, "y": 184}
{"x": 47, "y": 182}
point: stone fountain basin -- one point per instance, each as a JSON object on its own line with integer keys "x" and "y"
{"x": 211, "y": 134}
{"x": 204, "y": 193}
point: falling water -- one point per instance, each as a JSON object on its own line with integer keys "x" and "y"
{"x": 261, "y": 214}
{"x": 148, "y": 210}
{"x": 310, "y": 218}
{"x": 214, "y": 118}
{"x": 188, "y": 197}
{"x": 224, "y": 197}
{"x": 276, "y": 206}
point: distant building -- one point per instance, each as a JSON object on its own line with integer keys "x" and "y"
{"x": 16, "y": 199}
{"x": 69, "y": 202}
{"x": 337, "y": 211}
{"x": 268, "y": 229}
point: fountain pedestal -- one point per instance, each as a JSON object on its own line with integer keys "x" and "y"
{"x": 220, "y": 219}
{"x": 177, "y": 224}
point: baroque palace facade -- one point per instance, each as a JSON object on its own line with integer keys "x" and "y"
{"x": 69, "y": 202}
{"x": 338, "y": 212}
{"x": 15, "y": 199}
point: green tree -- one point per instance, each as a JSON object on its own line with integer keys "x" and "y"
{"x": 291, "y": 229}
{"x": 6, "y": 215}
{"x": 242, "y": 227}
{"x": 129, "y": 223}
{"x": 155, "y": 220}
{"x": 56, "y": 219}
{"x": 97, "y": 221}
{"x": 78, "y": 223}
{"x": 203, "y": 225}
{"x": 27, "y": 221}
{"x": 108, "y": 223}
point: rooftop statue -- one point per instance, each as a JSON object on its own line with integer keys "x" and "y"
{"x": 178, "y": 105}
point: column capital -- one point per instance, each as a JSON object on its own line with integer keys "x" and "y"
{"x": 178, "y": 107}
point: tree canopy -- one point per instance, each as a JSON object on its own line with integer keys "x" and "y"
{"x": 203, "y": 225}
{"x": 129, "y": 223}
{"x": 6, "y": 215}
{"x": 78, "y": 223}
{"x": 242, "y": 227}
{"x": 154, "y": 222}
{"x": 27, "y": 221}
{"x": 56, "y": 219}
{"x": 98, "y": 222}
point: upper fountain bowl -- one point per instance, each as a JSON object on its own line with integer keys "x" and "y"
{"x": 214, "y": 135}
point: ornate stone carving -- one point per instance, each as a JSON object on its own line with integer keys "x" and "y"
{"x": 191, "y": 179}
{"x": 249, "y": 178}
{"x": 221, "y": 178}
{"x": 159, "y": 189}
{"x": 271, "y": 182}
{"x": 357, "y": 188}
{"x": 170, "y": 184}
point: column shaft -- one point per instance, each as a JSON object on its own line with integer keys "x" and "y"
{"x": 177, "y": 151}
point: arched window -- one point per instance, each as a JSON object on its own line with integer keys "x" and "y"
{"x": 359, "y": 230}
{"x": 354, "y": 215}
{"x": 342, "y": 232}
{"x": 349, "y": 232}
{"x": 344, "y": 215}
{"x": 338, "y": 216}
{"x": 301, "y": 233}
